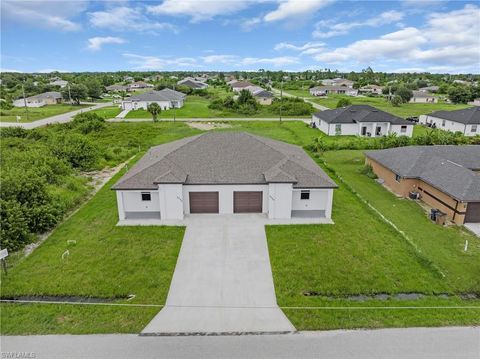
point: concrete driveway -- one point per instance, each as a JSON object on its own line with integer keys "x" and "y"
{"x": 223, "y": 281}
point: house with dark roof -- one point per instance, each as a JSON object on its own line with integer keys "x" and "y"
{"x": 46, "y": 98}
{"x": 238, "y": 86}
{"x": 446, "y": 177}
{"x": 116, "y": 88}
{"x": 139, "y": 85}
{"x": 361, "y": 120}
{"x": 466, "y": 121}
{"x": 225, "y": 173}
{"x": 193, "y": 83}
{"x": 166, "y": 99}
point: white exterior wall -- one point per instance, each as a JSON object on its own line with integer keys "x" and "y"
{"x": 398, "y": 130}
{"x": 319, "y": 200}
{"x": 354, "y": 129}
{"x": 225, "y": 195}
{"x": 131, "y": 201}
{"x": 280, "y": 200}
{"x": 449, "y": 125}
{"x": 468, "y": 130}
{"x": 135, "y": 105}
{"x": 171, "y": 201}
{"x": 120, "y": 205}
{"x": 423, "y": 100}
{"x": 348, "y": 129}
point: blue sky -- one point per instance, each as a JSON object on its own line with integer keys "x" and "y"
{"x": 292, "y": 35}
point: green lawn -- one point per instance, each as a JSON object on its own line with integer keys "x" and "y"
{"x": 108, "y": 112}
{"x": 404, "y": 110}
{"x": 299, "y": 93}
{"x": 37, "y": 113}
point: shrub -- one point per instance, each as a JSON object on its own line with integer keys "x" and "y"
{"x": 367, "y": 170}
{"x": 343, "y": 102}
{"x": 13, "y": 132}
{"x": 14, "y": 232}
{"x": 88, "y": 122}
{"x": 76, "y": 149}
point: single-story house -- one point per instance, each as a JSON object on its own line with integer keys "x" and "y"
{"x": 466, "y": 121}
{"x": 373, "y": 89}
{"x": 238, "y": 86}
{"x": 423, "y": 97}
{"x": 263, "y": 97}
{"x": 429, "y": 89}
{"x": 361, "y": 120}
{"x": 338, "y": 82}
{"x": 192, "y": 83}
{"x": 139, "y": 85}
{"x": 46, "y": 98}
{"x": 60, "y": 83}
{"x": 166, "y": 99}
{"x": 446, "y": 177}
{"x": 116, "y": 88}
{"x": 225, "y": 173}
{"x": 325, "y": 90}
{"x": 475, "y": 102}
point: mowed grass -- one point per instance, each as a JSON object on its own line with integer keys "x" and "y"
{"x": 37, "y": 113}
{"x": 108, "y": 112}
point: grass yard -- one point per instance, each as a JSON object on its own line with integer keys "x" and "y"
{"x": 108, "y": 112}
{"x": 37, "y": 113}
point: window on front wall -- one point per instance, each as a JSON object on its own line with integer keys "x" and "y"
{"x": 444, "y": 123}
{"x": 398, "y": 178}
{"x": 474, "y": 128}
{"x": 403, "y": 129}
{"x": 338, "y": 129}
{"x": 146, "y": 196}
{"x": 305, "y": 195}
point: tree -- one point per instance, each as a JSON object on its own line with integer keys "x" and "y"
{"x": 94, "y": 88}
{"x": 459, "y": 94}
{"x": 244, "y": 97}
{"x": 343, "y": 102}
{"x": 155, "y": 109}
{"x": 77, "y": 92}
{"x": 76, "y": 149}
{"x": 396, "y": 101}
{"x": 404, "y": 93}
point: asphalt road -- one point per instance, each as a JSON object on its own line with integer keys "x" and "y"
{"x": 421, "y": 343}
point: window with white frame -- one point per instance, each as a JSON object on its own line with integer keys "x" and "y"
{"x": 444, "y": 122}
{"x": 474, "y": 128}
{"x": 403, "y": 129}
{"x": 305, "y": 195}
{"x": 146, "y": 196}
{"x": 338, "y": 129}
{"x": 398, "y": 178}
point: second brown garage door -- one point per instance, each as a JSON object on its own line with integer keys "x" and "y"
{"x": 473, "y": 212}
{"x": 247, "y": 202}
{"x": 203, "y": 202}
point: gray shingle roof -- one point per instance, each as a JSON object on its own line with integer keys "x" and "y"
{"x": 45, "y": 95}
{"x": 225, "y": 158}
{"x": 448, "y": 168}
{"x": 162, "y": 95}
{"x": 467, "y": 116}
{"x": 359, "y": 113}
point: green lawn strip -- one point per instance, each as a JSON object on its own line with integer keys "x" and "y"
{"x": 31, "y": 319}
{"x": 444, "y": 246}
{"x": 108, "y": 112}
{"x": 404, "y": 110}
{"x": 37, "y": 113}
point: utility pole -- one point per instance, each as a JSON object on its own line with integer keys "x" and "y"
{"x": 25, "y": 102}
{"x": 281, "y": 98}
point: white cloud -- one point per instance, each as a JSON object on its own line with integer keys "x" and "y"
{"x": 274, "y": 61}
{"x": 222, "y": 59}
{"x": 8, "y": 70}
{"x": 328, "y": 28}
{"x": 295, "y": 8}
{"x": 124, "y": 18}
{"x": 199, "y": 10}
{"x": 159, "y": 63}
{"x": 96, "y": 43}
{"x": 304, "y": 47}
{"x": 44, "y": 13}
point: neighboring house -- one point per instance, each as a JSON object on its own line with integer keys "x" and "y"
{"x": 238, "y": 86}
{"x": 373, "y": 89}
{"x": 116, "y": 88}
{"x": 325, "y": 90}
{"x": 361, "y": 120}
{"x": 466, "y": 121}
{"x": 338, "y": 82}
{"x": 60, "y": 83}
{"x": 475, "y": 102}
{"x": 128, "y": 79}
{"x": 262, "y": 96}
{"x": 446, "y": 177}
{"x": 192, "y": 83}
{"x": 423, "y": 97}
{"x": 139, "y": 85}
{"x": 165, "y": 98}
{"x": 429, "y": 89}
{"x": 46, "y": 98}
{"x": 225, "y": 173}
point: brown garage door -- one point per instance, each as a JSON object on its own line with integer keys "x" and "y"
{"x": 247, "y": 202}
{"x": 473, "y": 212}
{"x": 203, "y": 202}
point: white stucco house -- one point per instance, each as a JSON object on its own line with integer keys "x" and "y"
{"x": 423, "y": 97}
{"x": 338, "y": 82}
{"x": 361, "y": 120}
{"x": 339, "y": 90}
{"x": 43, "y": 99}
{"x": 466, "y": 121}
{"x": 165, "y": 98}
{"x": 225, "y": 173}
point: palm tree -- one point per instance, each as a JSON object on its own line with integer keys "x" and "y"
{"x": 155, "y": 109}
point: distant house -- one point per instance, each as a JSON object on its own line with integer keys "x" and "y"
{"x": 61, "y": 83}
{"x": 338, "y": 82}
{"x": 466, "y": 121}
{"x": 128, "y": 79}
{"x": 139, "y": 85}
{"x": 429, "y": 89}
{"x": 192, "y": 83}
{"x": 116, "y": 88}
{"x": 423, "y": 97}
{"x": 372, "y": 89}
{"x": 325, "y": 90}
{"x": 238, "y": 86}
{"x": 361, "y": 120}
{"x": 475, "y": 102}
{"x": 46, "y": 98}
{"x": 445, "y": 177}
{"x": 262, "y": 96}
{"x": 165, "y": 98}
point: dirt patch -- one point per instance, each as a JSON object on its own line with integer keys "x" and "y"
{"x": 207, "y": 126}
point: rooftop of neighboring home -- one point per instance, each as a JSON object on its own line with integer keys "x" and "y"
{"x": 162, "y": 95}
{"x": 190, "y": 82}
{"x": 262, "y": 93}
{"x": 58, "y": 82}
{"x": 140, "y": 84}
{"x": 359, "y": 113}
{"x": 467, "y": 116}
{"x": 46, "y": 95}
{"x": 332, "y": 88}
{"x": 448, "y": 168}
{"x": 429, "y": 89}
{"x": 372, "y": 87}
{"x": 116, "y": 88}
{"x": 421, "y": 94}
{"x": 241, "y": 84}
{"x": 225, "y": 158}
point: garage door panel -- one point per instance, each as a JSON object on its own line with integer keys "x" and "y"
{"x": 473, "y": 213}
{"x": 203, "y": 202}
{"x": 247, "y": 202}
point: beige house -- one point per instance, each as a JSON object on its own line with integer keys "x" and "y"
{"x": 423, "y": 97}
{"x": 46, "y": 98}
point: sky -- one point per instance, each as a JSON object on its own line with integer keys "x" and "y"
{"x": 232, "y": 35}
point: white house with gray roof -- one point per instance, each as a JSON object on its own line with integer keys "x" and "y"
{"x": 466, "y": 121}
{"x": 361, "y": 120}
{"x": 46, "y": 98}
{"x": 225, "y": 173}
{"x": 165, "y": 98}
